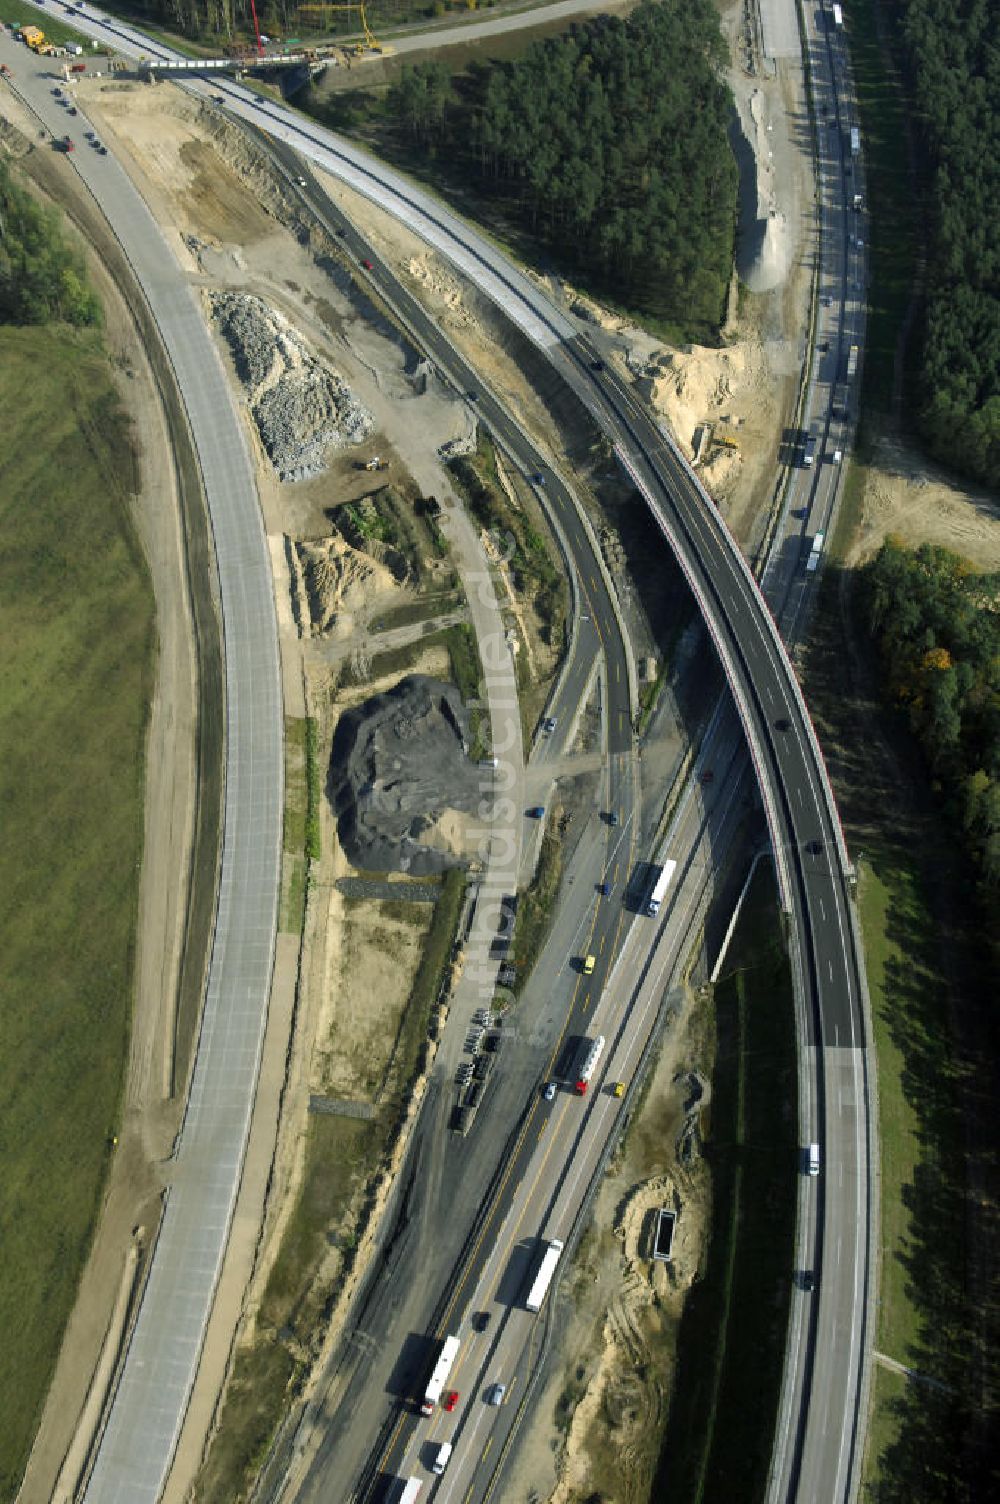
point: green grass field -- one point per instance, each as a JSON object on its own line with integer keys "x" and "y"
{"x": 77, "y": 624}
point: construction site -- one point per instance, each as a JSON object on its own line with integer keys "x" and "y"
{"x": 376, "y": 563}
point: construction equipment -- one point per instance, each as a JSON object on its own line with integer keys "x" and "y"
{"x": 35, "y": 39}
{"x": 725, "y": 441}
{"x": 371, "y": 43}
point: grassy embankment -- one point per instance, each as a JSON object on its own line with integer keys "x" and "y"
{"x": 732, "y": 1337}
{"x": 76, "y": 620}
{"x": 342, "y": 1154}
{"x": 301, "y": 834}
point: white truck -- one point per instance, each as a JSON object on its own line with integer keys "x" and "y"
{"x": 815, "y": 554}
{"x": 589, "y": 1066}
{"x": 405, "y": 1491}
{"x": 543, "y": 1279}
{"x": 439, "y": 1376}
{"x": 659, "y": 890}
{"x": 855, "y": 141}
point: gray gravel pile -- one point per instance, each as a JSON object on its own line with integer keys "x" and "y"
{"x": 301, "y": 408}
{"x": 399, "y": 761}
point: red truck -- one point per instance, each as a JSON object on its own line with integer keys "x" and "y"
{"x": 67, "y": 144}
{"x": 78, "y": 67}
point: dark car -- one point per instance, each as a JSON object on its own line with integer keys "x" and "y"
{"x": 604, "y": 890}
{"x": 597, "y": 365}
{"x": 808, "y": 1280}
{"x": 538, "y": 479}
{"x": 612, "y": 817}
{"x": 481, "y": 1320}
{"x": 536, "y": 812}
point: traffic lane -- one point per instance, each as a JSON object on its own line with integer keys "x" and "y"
{"x": 586, "y": 995}
{"x": 755, "y": 644}
{"x": 546, "y": 1131}
{"x": 628, "y": 1036}
{"x": 841, "y": 1275}
{"x": 816, "y": 859}
{"x": 626, "y": 1033}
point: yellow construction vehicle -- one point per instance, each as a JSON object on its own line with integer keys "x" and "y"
{"x": 727, "y": 443}
{"x": 371, "y": 43}
{"x": 34, "y": 38}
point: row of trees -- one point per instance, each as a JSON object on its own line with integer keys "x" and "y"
{"x": 954, "y": 62}
{"x": 42, "y": 279}
{"x": 937, "y": 624}
{"x": 607, "y": 144}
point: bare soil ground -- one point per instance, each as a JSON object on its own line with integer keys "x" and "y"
{"x": 910, "y": 497}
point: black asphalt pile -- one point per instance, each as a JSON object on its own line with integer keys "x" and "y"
{"x": 399, "y": 764}
{"x": 301, "y": 408}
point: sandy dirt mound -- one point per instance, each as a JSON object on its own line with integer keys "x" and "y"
{"x": 433, "y": 275}
{"x": 626, "y": 1397}
{"x": 767, "y": 239}
{"x": 722, "y": 387}
{"x": 339, "y": 582}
